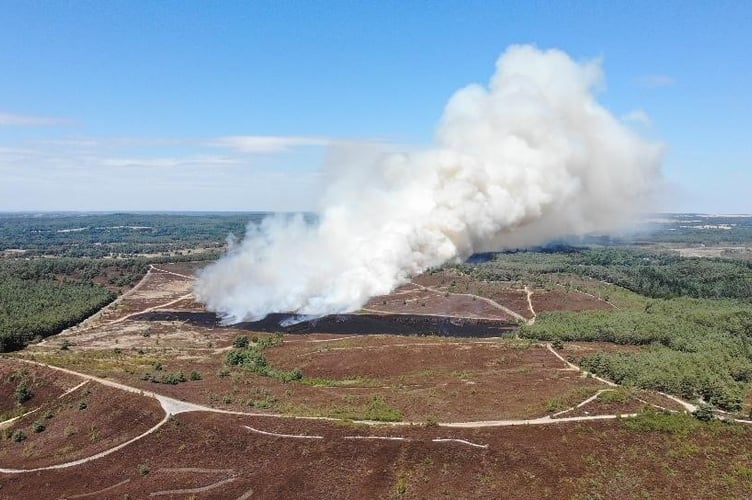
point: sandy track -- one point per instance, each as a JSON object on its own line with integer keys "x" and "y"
{"x": 529, "y": 294}
{"x": 491, "y": 302}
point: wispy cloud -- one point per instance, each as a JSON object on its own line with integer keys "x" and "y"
{"x": 639, "y": 117}
{"x": 241, "y": 172}
{"x": 16, "y": 120}
{"x": 268, "y": 143}
{"x": 170, "y": 162}
{"x": 654, "y": 81}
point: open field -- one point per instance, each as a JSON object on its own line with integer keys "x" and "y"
{"x": 425, "y": 393}
{"x": 224, "y": 456}
{"x": 439, "y": 416}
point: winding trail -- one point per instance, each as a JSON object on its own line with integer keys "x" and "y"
{"x": 152, "y": 267}
{"x": 103, "y": 490}
{"x": 150, "y": 309}
{"x": 172, "y": 406}
{"x": 189, "y": 491}
{"x": 529, "y": 294}
{"x": 276, "y": 434}
{"x": 491, "y": 302}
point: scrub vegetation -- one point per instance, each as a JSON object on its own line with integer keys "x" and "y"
{"x": 692, "y": 316}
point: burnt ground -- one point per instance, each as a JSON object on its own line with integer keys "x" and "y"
{"x": 351, "y": 324}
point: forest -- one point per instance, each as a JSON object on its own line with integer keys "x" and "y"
{"x": 64, "y": 267}
{"x": 692, "y": 317}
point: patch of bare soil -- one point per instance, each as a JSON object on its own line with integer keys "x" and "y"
{"x": 82, "y": 423}
{"x": 421, "y": 301}
{"x": 218, "y": 456}
{"x": 186, "y": 268}
{"x": 156, "y": 289}
{"x": 508, "y": 294}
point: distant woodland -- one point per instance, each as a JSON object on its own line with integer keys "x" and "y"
{"x": 58, "y": 269}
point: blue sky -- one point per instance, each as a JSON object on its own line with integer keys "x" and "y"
{"x": 187, "y": 105}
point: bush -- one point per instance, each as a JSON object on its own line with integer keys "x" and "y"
{"x": 173, "y": 378}
{"x": 195, "y": 375}
{"x": 704, "y": 413}
{"x": 23, "y": 393}
{"x": 665, "y": 422}
{"x": 18, "y": 436}
{"x": 250, "y": 359}
{"x": 240, "y": 342}
{"x": 38, "y": 426}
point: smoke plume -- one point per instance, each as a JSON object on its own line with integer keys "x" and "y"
{"x": 529, "y": 158}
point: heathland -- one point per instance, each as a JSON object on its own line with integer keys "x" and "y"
{"x": 601, "y": 367}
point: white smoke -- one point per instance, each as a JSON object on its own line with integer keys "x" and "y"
{"x": 528, "y": 159}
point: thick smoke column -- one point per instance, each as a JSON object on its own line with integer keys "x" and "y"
{"x": 530, "y": 158}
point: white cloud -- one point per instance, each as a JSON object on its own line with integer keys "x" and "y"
{"x": 639, "y": 117}
{"x": 169, "y": 162}
{"x": 268, "y": 143}
{"x": 16, "y": 120}
{"x": 156, "y": 173}
{"x": 654, "y": 81}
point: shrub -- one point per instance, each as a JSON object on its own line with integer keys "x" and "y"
{"x": 83, "y": 405}
{"x": 173, "y": 378}
{"x": 23, "y": 393}
{"x": 379, "y": 409}
{"x": 143, "y": 469}
{"x": 37, "y": 426}
{"x": 65, "y": 345}
{"x": 659, "y": 421}
{"x": 704, "y": 413}
{"x": 195, "y": 375}
{"x": 18, "y": 436}
{"x": 250, "y": 359}
{"x": 240, "y": 342}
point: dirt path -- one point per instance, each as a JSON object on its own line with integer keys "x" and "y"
{"x": 87, "y": 322}
{"x": 93, "y": 457}
{"x": 529, "y": 294}
{"x": 152, "y": 308}
{"x": 152, "y": 267}
{"x": 574, "y": 367}
{"x": 173, "y": 406}
{"x": 492, "y": 303}
{"x": 599, "y": 299}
